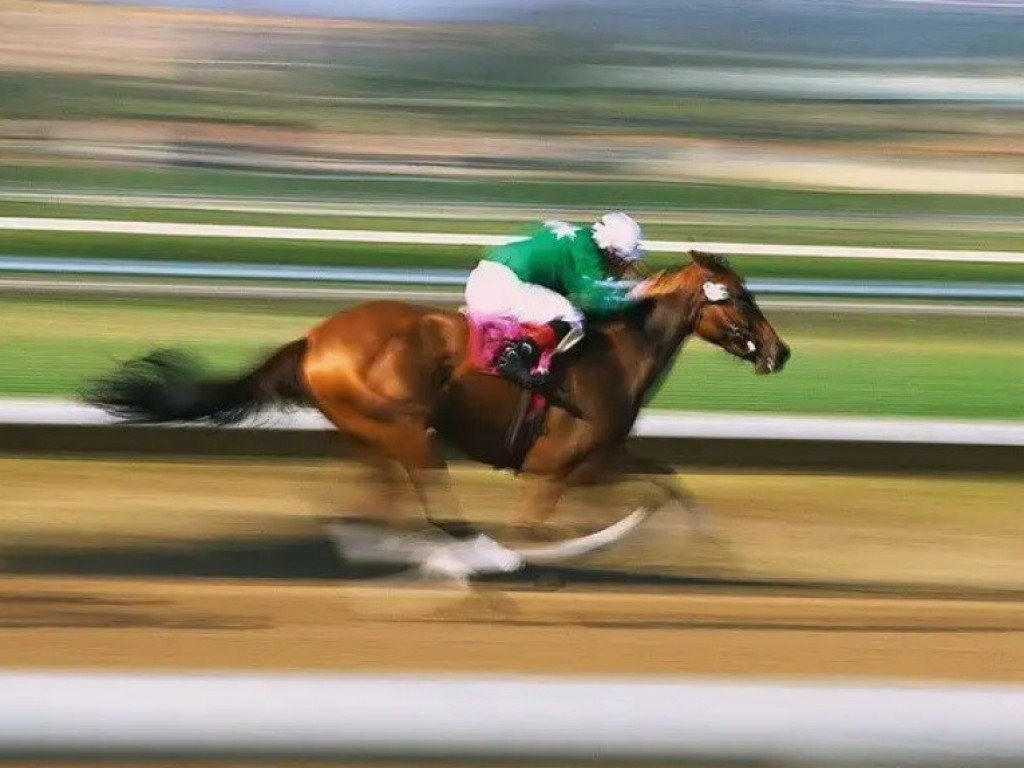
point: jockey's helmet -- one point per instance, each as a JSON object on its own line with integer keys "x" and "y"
{"x": 619, "y": 235}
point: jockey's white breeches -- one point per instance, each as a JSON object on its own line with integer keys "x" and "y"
{"x": 494, "y": 289}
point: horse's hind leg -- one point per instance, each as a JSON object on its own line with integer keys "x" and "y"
{"x": 384, "y": 448}
{"x": 377, "y": 488}
{"x": 411, "y": 445}
{"x": 472, "y": 551}
{"x": 428, "y": 473}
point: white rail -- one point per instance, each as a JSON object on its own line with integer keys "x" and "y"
{"x": 76, "y": 269}
{"x": 652, "y": 423}
{"x": 859, "y": 305}
{"x": 489, "y": 719}
{"x": 177, "y": 229}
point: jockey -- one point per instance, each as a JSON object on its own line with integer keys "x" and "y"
{"x": 550, "y": 281}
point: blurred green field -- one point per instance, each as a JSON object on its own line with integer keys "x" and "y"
{"x": 865, "y": 365}
{"x": 808, "y": 228}
{"x": 588, "y": 193}
{"x": 877, "y": 365}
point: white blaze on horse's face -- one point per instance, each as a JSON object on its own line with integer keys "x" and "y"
{"x": 715, "y": 292}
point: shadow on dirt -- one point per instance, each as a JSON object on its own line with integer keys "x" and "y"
{"x": 82, "y": 611}
{"x": 310, "y": 558}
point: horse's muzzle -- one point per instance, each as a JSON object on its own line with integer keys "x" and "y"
{"x": 772, "y": 359}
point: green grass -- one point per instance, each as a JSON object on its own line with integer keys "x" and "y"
{"x": 413, "y": 257}
{"x": 588, "y": 194}
{"x": 862, "y": 365}
{"x": 928, "y": 382}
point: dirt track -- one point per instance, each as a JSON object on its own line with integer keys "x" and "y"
{"x": 274, "y": 596}
{"x": 132, "y": 623}
{"x": 150, "y": 517}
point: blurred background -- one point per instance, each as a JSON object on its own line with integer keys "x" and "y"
{"x": 221, "y": 175}
{"x": 894, "y": 125}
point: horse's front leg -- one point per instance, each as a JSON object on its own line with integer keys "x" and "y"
{"x": 669, "y": 488}
{"x": 601, "y": 469}
{"x": 603, "y": 473}
{"x": 607, "y": 469}
{"x": 540, "y": 500}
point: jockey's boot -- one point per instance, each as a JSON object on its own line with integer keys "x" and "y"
{"x": 516, "y": 361}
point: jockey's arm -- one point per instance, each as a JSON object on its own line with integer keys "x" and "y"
{"x": 596, "y": 291}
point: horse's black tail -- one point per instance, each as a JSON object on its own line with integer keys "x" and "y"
{"x": 169, "y": 386}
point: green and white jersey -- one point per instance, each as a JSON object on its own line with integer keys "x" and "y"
{"x": 564, "y": 258}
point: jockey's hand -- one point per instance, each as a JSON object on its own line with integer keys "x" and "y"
{"x": 647, "y": 287}
{"x": 639, "y": 291}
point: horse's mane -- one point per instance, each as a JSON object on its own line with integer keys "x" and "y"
{"x": 664, "y": 282}
{"x": 671, "y": 280}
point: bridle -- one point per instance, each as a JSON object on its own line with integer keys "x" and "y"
{"x": 718, "y": 293}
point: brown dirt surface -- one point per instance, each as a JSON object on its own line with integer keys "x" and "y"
{"x": 951, "y": 532}
{"x": 103, "y": 608}
{"x": 822, "y": 532}
{"x": 154, "y": 624}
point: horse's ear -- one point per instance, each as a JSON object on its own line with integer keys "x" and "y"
{"x": 710, "y": 261}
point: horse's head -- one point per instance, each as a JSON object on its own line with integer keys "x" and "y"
{"x": 722, "y": 309}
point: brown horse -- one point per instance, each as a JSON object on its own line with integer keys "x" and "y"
{"x": 394, "y": 378}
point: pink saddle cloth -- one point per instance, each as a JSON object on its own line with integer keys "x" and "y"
{"x": 488, "y": 335}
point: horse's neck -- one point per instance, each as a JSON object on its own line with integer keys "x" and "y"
{"x": 647, "y": 344}
{"x": 662, "y": 340}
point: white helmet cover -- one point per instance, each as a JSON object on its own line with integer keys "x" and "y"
{"x": 618, "y": 233}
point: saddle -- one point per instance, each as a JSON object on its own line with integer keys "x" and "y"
{"x": 488, "y": 335}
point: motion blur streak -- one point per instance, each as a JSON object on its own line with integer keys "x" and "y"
{"x": 861, "y": 163}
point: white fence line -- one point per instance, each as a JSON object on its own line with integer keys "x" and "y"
{"x": 93, "y": 287}
{"x": 176, "y": 229}
{"x": 438, "y": 277}
{"x": 489, "y": 719}
{"x": 652, "y": 423}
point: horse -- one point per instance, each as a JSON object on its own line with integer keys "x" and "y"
{"x": 397, "y": 379}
